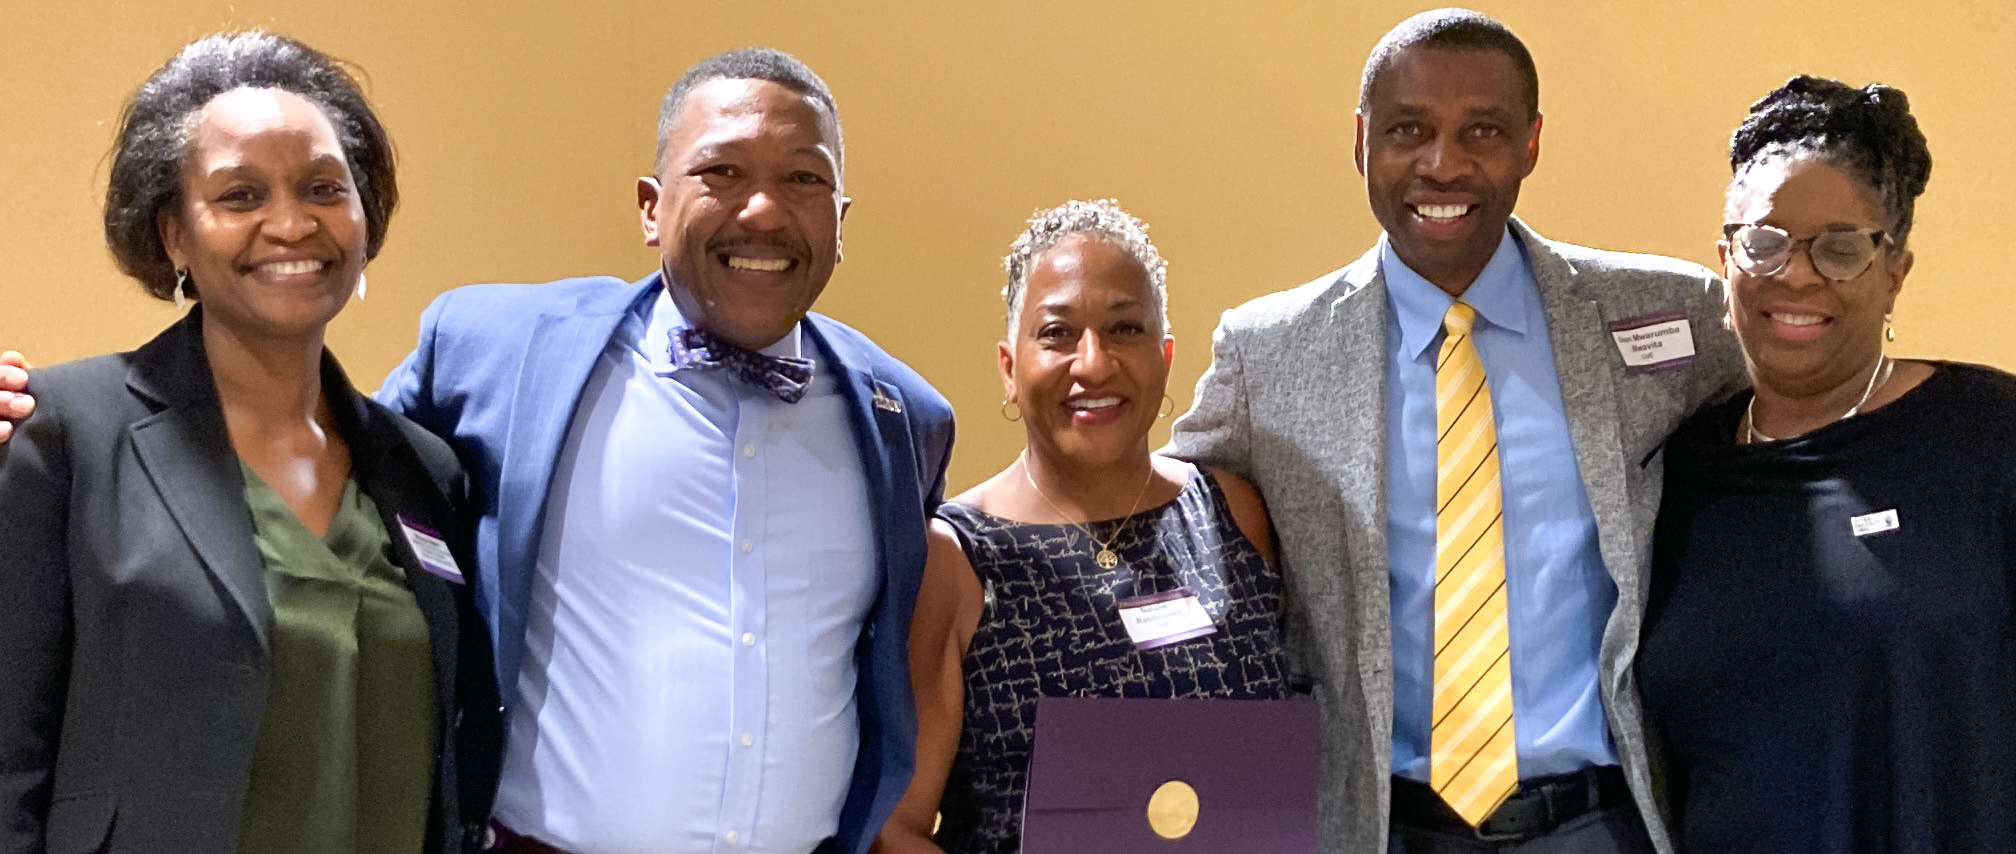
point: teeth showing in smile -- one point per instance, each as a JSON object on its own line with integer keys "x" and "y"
{"x": 1441, "y": 211}
{"x": 290, "y": 268}
{"x": 765, "y": 265}
{"x": 1799, "y": 319}
{"x": 1093, "y": 403}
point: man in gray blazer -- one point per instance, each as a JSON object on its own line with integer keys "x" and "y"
{"x": 1324, "y": 395}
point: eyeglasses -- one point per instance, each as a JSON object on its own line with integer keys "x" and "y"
{"x": 1763, "y": 250}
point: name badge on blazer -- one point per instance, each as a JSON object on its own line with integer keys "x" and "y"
{"x": 433, "y": 552}
{"x": 1654, "y": 342}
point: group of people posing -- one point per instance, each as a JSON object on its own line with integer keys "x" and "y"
{"x": 1577, "y": 551}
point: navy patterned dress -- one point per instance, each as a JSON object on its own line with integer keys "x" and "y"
{"x": 1050, "y": 628}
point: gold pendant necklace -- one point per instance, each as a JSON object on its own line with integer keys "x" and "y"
{"x": 1105, "y": 557}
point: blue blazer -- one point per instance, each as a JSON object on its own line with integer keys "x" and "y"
{"x": 499, "y": 372}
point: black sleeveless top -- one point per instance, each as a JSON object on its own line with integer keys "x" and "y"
{"x": 1050, "y": 627}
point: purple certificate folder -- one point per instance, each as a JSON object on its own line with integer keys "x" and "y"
{"x": 1095, "y": 762}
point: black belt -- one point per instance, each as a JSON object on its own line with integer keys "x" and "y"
{"x": 1535, "y": 810}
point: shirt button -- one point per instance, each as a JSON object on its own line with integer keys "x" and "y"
{"x": 748, "y": 450}
{"x": 731, "y": 836}
{"x": 748, "y": 739}
{"x": 747, "y": 544}
{"x": 748, "y": 638}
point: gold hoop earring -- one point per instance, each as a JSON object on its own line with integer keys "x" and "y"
{"x": 1168, "y": 407}
{"x": 1889, "y": 331}
{"x": 1008, "y": 406}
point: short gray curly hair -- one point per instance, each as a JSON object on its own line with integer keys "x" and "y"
{"x": 1102, "y": 219}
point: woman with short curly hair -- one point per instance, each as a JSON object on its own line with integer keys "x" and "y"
{"x": 1034, "y": 574}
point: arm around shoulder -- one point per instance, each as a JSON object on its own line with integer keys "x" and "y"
{"x": 1721, "y": 370}
{"x": 1217, "y": 429}
{"x": 948, "y": 613}
{"x": 408, "y": 390}
{"x": 936, "y": 446}
{"x": 1249, "y": 511}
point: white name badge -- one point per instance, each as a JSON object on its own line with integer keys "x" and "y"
{"x": 433, "y": 552}
{"x": 1874, "y": 523}
{"x": 1161, "y": 619}
{"x": 1654, "y": 342}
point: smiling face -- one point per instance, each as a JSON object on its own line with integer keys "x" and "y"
{"x": 270, "y": 227}
{"x": 1089, "y": 361}
{"x": 1444, "y": 139}
{"x": 746, "y": 208}
{"x": 1803, "y": 333}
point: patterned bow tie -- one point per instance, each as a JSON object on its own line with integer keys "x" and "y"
{"x": 786, "y": 377}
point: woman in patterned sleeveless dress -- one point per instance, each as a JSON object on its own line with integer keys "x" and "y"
{"x": 1028, "y": 571}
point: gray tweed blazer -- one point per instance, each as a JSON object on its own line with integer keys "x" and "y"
{"x": 1295, "y": 400}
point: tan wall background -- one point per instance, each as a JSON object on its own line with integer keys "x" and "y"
{"x": 521, "y": 129}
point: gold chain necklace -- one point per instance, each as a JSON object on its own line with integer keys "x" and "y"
{"x": 1884, "y": 364}
{"x": 1105, "y": 557}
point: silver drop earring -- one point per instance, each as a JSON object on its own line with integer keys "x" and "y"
{"x": 360, "y": 285}
{"x": 181, "y": 290}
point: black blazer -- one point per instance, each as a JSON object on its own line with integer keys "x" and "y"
{"x": 134, "y": 620}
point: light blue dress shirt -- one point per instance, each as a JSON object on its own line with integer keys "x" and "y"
{"x": 1559, "y": 594}
{"x": 706, "y": 566}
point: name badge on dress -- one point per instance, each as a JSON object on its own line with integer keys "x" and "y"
{"x": 433, "y": 552}
{"x": 1161, "y": 619}
{"x": 1873, "y": 523}
{"x": 1654, "y": 342}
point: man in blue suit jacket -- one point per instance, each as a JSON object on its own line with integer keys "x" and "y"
{"x": 676, "y": 634}
{"x": 702, "y": 508}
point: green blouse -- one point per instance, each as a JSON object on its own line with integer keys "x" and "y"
{"x": 345, "y": 758}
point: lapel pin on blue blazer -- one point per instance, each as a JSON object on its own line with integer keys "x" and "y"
{"x": 882, "y": 400}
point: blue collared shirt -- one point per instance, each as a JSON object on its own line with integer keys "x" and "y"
{"x": 1559, "y": 594}
{"x": 705, "y": 569}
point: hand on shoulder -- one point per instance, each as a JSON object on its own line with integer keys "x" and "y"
{"x": 15, "y": 404}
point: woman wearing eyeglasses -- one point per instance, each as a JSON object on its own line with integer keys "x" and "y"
{"x": 1829, "y": 650}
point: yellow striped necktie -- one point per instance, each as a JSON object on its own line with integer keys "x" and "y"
{"x": 1472, "y": 758}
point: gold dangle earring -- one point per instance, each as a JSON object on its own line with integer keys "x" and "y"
{"x": 181, "y": 290}
{"x": 1889, "y": 330}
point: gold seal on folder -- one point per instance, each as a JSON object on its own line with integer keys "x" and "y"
{"x": 1172, "y": 810}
